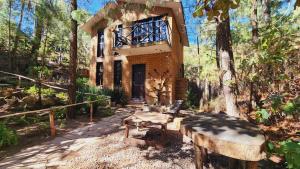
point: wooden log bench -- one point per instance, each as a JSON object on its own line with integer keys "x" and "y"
{"x": 225, "y": 135}
{"x": 142, "y": 118}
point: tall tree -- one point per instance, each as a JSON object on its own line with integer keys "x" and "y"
{"x": 267, "y": 10}
{"x": 225, "y": 53}
{"x": 73, "y": 61}
{"x": 9, "y": 35}
{"x": 17, "y": 36}
{"x": 219, "y": 11}
{"x": 254, "y": 22}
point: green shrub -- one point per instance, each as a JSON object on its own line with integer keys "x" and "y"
{"x": 7, "y": 136}
{"x": 193, "y": 97}
{"x": 82, "y": 82}
{"x": 40, "y": 71}
{"x": 262, "y": 116}
{"x": 290, "y": 150}
{"x": 292, "y": 107}
{"x": 117, "y": 95}
{"x": 62, "y": 96}
{"x": 33, "y": 90}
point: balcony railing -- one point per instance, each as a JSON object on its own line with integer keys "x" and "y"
{"x": 142, "y": 32}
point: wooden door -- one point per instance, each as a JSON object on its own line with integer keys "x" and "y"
{"x": 138, "y": 81}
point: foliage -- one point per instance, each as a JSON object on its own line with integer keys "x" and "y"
{"x": 117, "y": 95}
{"x": 290, "y": 150}
{"x": 7, "y": 136}
{"x": 193, "y": 96}
{"x": 62, "y": 96}
{"x": 215, "y": 8}
{"x": 262, "y": 116}
{"x": 33, "y": 90}
{"x": 42, "y": 72}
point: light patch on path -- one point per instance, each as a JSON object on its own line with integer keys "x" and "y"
{"x": 100, "y": 145}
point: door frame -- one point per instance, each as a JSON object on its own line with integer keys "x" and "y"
{"x": 132, "y": 75}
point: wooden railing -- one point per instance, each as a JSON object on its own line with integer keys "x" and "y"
{"x": 51, "y": 112}
{"x": 143, "y": 32}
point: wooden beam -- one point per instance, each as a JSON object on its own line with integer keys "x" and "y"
{"x": 91, "y": 112}
{"x": 52, "y": 123}
{"x": 126, "y": 130}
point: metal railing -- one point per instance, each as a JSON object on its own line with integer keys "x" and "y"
{"x": 142, "y": 33}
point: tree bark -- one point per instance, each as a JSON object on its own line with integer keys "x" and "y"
{"x": 267, "y": 10}
{"x": 225, "y": 53}
{"x": 255, "y": 41}
{"x": 73, "y": 62}
{"x": 254, "y": 23}
{"x": 37, "y": 34}
{"x": 17, "y": 37}
{"x": 9, "y": 36}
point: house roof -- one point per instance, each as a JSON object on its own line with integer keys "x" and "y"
{"x": 175, "y": 5}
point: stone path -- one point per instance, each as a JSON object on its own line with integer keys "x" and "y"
{"x": 54, "y": 152}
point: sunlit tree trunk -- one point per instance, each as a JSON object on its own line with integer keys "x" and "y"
{"x": 267, "y": 10}
{"x": 224, "y": 49}
{"x": 9, "y": 36}
{"x": 255, "y": 41}
{"x": 38, "y": 31}
{"x": 73, "y": 62}
{"x": 254, "y": 22}
{"x": 17, "y": 37}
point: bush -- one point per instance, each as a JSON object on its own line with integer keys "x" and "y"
{"x": 7, "y": 136}
{"x": 33, "y": 90}
{"x": 193, "y": 97}
{"x": 117, "y": 95}
{"x": 290, "y": 150}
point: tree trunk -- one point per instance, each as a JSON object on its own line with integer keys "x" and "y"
{"x": 267, "y": 10}
{"x": 255, "y": 40}
{"x": 17, "y": 37}
{"x": 45, "y": 44}
{"x": 73, "y": 62}
{"x": 254, "y": 22}
{"x": 9, "y": 36}
{"x": 224, "y": 49}
{"x": 37, "y": 34}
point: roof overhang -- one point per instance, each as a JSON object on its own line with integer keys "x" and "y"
{"x": 175, "y": 5}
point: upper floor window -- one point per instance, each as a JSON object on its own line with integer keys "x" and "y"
{"x": 148, "y": 30}
{"x": 100, "y": 46}
{"x": 118, "y": 36}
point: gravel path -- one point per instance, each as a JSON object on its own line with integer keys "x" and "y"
{"x": 100, "y": 145}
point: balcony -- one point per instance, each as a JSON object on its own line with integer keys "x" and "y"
{"x": 146, "y": 36}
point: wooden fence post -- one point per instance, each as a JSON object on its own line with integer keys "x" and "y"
{"x": 19, "y": 82}
{"x": 91, "y": 112}
{"x": 52, "y": 123}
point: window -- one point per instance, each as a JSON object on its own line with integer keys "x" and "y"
{"x": 100, "y": 46}
{"x": 149, "y": 30}
{"x": 117, "y": 74}
{"x": 118, "y": 36}
{"x": 99, "y": 74}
